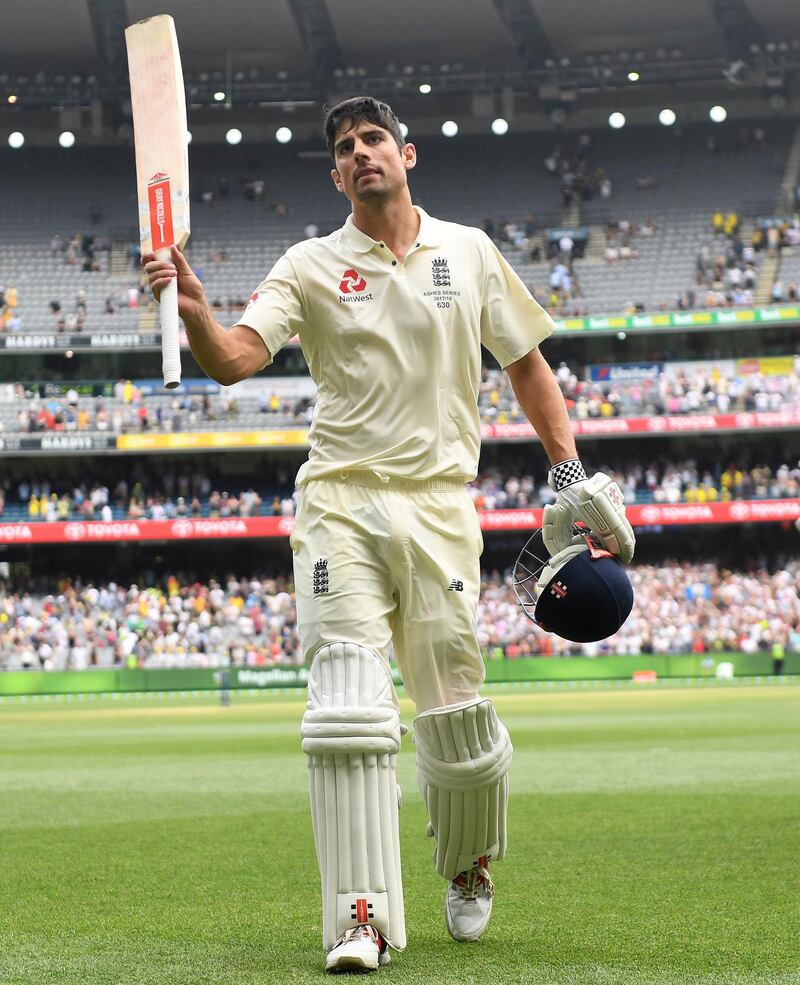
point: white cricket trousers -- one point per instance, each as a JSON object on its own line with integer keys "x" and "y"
{"x": 378, "y": 563}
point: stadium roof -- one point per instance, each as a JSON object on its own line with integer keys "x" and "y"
{"x": 373, "y": 34}
{"x": 67, "y": 53}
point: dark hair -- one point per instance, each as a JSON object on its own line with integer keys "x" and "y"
{"x": 356, "y": 110}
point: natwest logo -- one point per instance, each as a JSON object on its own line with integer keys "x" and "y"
{"x": 352, "y": 282}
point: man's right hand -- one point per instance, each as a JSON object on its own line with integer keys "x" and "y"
{"x": 191, "y": 296}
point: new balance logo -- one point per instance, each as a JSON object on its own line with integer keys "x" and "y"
{"x": 455, "y": 586}
{"x": 440, "y": 271}
{"x": 321, "y": 577}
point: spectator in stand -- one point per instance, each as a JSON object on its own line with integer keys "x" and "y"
{"x": 680, "y": 608}
{"x": 731, "y": 224}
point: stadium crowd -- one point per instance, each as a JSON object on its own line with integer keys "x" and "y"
{"x": 656, "y": 482}
{"x": 725, "y": 273}
{"x": 144, "y": 494}
{"x": 680, "y": 608}
{"x": 129, "y": 410}
{"x": 703, "y": 388}
{"x": 10, "y": 318}
{"x": 251, "y": 622}
{"x": 167, "y": 495}
{"x": 664, "y": 389}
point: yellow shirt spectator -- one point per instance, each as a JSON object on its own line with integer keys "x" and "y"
{"x": 33, "y": 508}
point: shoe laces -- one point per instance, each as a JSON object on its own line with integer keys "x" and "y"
{"x": 363, "y": 930}
{"x": 468, "y": 884}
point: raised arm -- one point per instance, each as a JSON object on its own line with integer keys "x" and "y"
{"x": 225, "y": 356}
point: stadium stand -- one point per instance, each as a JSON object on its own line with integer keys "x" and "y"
{"x": 120, "y": 492}
{"x": 681, "y": 608}
{"x": 691, "y": 387}
{"x": 253, "y": 203}
{"x": 68, "y": 265}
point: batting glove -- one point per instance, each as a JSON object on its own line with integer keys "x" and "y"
{"x": 597, "y": 502}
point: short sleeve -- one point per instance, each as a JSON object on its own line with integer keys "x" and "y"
{"x": 512, "y": 322}
{"x": 276, "y": 308}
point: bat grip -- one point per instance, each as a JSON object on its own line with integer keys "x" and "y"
{"x": 170, "y": 342}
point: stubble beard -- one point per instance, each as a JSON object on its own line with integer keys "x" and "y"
{"x": 373, "y": 191}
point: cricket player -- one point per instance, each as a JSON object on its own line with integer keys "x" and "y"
{"x": 391, "y": 311}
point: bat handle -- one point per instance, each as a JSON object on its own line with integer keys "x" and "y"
{"x": 170, "y": 327}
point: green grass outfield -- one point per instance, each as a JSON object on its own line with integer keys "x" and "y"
{"x": 654, "y": 840}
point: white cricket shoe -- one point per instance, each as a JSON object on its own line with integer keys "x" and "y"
{"x": 468, "y": 902}
{"x": 358, "y": 949}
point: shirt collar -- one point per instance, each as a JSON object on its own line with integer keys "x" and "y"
{"x": 361, "y": 243}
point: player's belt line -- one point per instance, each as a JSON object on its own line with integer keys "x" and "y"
{"x": 391, "y": 482}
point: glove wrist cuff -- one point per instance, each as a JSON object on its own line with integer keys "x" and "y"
{"x": 565, "y": 474}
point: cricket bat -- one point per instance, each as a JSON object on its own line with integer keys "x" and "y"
{"x": 158, "y": 104}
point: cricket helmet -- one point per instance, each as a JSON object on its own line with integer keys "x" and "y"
{"x": 581, "y": 594}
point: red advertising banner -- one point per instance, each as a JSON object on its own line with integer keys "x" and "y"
{"x": 96, "y": 532}
{"x": 652, "y": 514}
{"x": 612, "y": 426}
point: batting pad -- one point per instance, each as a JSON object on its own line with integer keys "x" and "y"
{"x": 351, "y": 735}
{"x": 463, "y": 755}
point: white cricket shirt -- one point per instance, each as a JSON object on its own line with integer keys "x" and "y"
{"x": 394, "y": 346}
